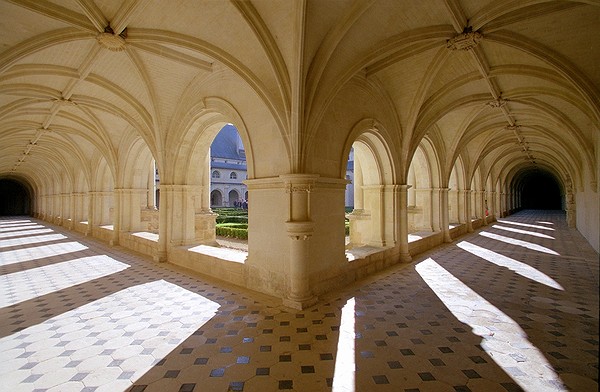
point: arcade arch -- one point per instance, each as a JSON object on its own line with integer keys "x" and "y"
{"x": 374, "y": 216}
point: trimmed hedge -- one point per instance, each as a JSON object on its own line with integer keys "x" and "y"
{"x": 232, "y": 219}
{"x": 232, "y": 223}
{"x": 232, "y": 232}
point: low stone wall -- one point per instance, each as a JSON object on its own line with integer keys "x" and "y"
{"x": 221, "y": 263}
{"x": 143, "y": 242}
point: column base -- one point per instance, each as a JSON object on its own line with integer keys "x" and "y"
{"x": 300, "y": 304}
{"x": 405, "y": 258}
{"x": 160, "y": 257}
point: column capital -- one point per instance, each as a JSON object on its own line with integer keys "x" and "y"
{"x": 296, "y": 182}
{"x": 130, "y": 190}
{"x": 178, "y": 187}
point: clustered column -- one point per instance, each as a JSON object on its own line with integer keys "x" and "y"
{"x": 299, "y": 229}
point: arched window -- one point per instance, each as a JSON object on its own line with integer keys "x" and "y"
{"x": 233, "y": 176}
{"x": 216, "y": 174}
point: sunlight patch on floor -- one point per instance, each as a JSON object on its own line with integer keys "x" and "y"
{"x": 525, "y": 224}
{"x": 136, "y": 327}
{"x": 6, "y": 243}
{"x": 518, "y": 267}
{"x": 28, "y": 284}
{"x": 519, "y": 231}
{"x": 6, "y": 229}
{"x": 345, "y": 363}
{"x": 502, "y": 337}
{"x": 25, "y": 233}
{"x": 39, "y": 252}
{"x": 513, "y": 241}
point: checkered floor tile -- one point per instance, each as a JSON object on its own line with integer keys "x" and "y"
{"x": 511, "y": 307}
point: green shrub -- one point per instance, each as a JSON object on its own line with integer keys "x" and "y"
{"x": 232, "y": 219}
{"x": 233, "y": 225}
{"x": 347, "y": 227}
{"x": 231, "y": 215}
{"x": 232, "y": 232}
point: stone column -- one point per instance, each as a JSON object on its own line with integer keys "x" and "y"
{"x": 468, "y": 210}
{"x": 484, "y": 207}
{"x": 359, "y": 217}
{"x": 571, "y": 215}
{"x": 444, "y": 215}
{"x": 359, "y": 224}
{"x": 299, "y": 229}
{"x": 405, "y": 256}
{"x": 374, "y": 199}
{"x": 116, "y": 218}
{"x": 91, "y": 213}
{"x": 77, "y": 212}
{"x": 436, "y": 214}
{"x": 496, "y": 209}
{"x": 161, "y": 254}
{"x": 461, "y": 202}
{"x": 423, "y": 220}
{"x": 358, "y": 184}
{"x": 204, "y": 219}
{"x": 130, "y": 206}
{"x": 180, "y": 214}
{"x": 71, "y": 200}
{"x": 205, "y": 196}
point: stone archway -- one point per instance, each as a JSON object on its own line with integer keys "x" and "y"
{"x": 14, "y": 198}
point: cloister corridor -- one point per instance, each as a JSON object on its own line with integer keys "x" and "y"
{"x": 512, "y": 306}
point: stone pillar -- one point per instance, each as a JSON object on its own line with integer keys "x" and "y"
{"x": 444, "y": 215}
{"x": 97, "y": 210}
{"x": 72, "y": 213}
{"x": 161, "y": 254}
{"x": 358, "y": 184}
{"x": 469, "y": 210}
{"x": 91, "y": 213}
{"x": 205, "y": 195}
{"x": 571, "y": 215}
{"x": 461, "y": 203}
{"x": 130, "y": 205}
{"x": 484, "y": 207}
{"x": 405, "y": 256}
{"x": 180, "y": 219}
{"x": 299, "y": 295}
{"x": 453, "y": 206}
{"x": 116, "y": 218}
{"x": 359, "y": 217}
{"x": 496, "y": 209}
{"x": 374, "y": 199}
{"x": 62, "y": 209}
{"x": 205, "y": 220}
{"x": 436, "y": 214}
{"x": 299, "y": 229}
{"x": 423, "y": 221}
{"x": 359, "y": 227}
{"x": 76, "y": 208}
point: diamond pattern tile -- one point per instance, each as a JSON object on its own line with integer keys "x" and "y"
{"x": 480, "y": 314}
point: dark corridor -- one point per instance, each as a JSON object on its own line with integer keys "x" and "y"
{"x": 540, "y": 191}
{"x": 14, "y": 199}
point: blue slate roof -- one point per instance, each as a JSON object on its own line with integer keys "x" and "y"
{"x": 230, "y": 166}
{"x": 225, "y": 144}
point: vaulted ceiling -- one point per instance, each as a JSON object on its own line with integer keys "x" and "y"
{"x": 510, "y": 85}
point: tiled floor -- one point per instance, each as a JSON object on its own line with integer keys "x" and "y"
{"x": 511, "y": 307}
